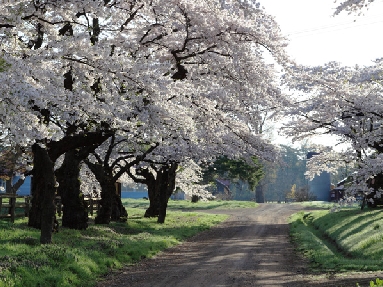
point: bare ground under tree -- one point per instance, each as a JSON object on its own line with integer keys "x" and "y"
{"x": 251, "y": 248}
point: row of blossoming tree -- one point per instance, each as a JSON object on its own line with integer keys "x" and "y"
{"x": 346, "y": 102}
{"x": 147, "y": 88}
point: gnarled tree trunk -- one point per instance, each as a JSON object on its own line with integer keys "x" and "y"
{"x": 111, "y": 205}
{"x": 42, "y": 212}
{"x": 108, "y": 190}
{"x": 160, "y": 188}
{"x": 75, "y": 210}
{"x": 153, "y": 193}
{"x": 119, "y": 212}
{"x": 167, "y": 182}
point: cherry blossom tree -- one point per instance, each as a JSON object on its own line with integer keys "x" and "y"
{"x": 77, "y": 71}
{"x": 108, "y": 164}
{"x": 346, "y": 103}
{"x": 160, "y": 180}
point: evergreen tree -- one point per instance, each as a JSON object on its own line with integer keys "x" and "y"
{"x": 245, "y": 176}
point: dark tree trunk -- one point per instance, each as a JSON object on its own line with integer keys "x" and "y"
{"x": 75, "y": 210}
{"x": 167, "y": 186}
{"x": 160, "y": 188}
{"x": 107, "y": 195}
{"x": 42, "y": 212}
{"x": 111, "y": 207}
{"x": 259, "y": 194}
{"x": 119, "y": 212}
{"x": 153, "y": 193}
{"x": 8, "y": 184}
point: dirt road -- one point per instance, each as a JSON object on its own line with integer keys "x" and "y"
{"x": 251, "y": 248}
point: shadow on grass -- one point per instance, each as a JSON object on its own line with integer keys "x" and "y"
{"x": 196, "y": 206}
{"x": 351, "y": 226}
{"x": 362, "y": 219}
{"x": 324, "y": 252}
{"x": 82, "y": 255}
{"x": 213, "y": 205}
{"x": 185, "y": 205}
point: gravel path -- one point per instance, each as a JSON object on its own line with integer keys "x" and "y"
{"x": 251, "y": 248}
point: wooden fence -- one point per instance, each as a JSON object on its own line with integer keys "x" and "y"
{"x": 12, "y": 206}
{"x": 93, "y": 204}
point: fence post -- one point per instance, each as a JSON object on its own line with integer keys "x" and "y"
{"x": 12, "y": 202}
{"x": 91, "y": 205}
{"x": 27, "y": 203}
{"x": 58, "y": 205}
{"x": 98, "y": 205}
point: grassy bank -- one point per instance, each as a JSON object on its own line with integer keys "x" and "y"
{"x": 346, "y": 240}
{"x": 77, "y": 258}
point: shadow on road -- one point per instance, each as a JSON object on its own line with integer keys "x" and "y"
{"x": 252, "y": 248}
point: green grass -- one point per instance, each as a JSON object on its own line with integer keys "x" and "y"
{"x": 5, "y": 201}
{"x": 200, "y": 205}
{"x": 77, "y": 258}
{"x": 347, "y": 240}
{"x": 318, "y": 204}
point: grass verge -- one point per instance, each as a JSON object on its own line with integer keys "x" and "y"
{"x": 200, "y": 205}
{"x": 347, "y": 240}
{"x": 77, "y": 258}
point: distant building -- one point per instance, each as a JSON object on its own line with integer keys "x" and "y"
{"x": 25, "y": 188}
{"x": 135, "y": 190}
{"x": 337, "y": 192}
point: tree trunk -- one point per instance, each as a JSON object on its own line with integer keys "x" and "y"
{"x": 160, "y": 188}
{"x": 104, "y": 215}
{"x": 168, "y": 184}
{"x": 42, "y": 212}
{"x": 15, "y": 187}
{"x": 259, "y": 194}
{"x": 119, "y": 212}
{"x": 8, "y": 184}
{"x": 111, "y": 205}
{"x": 153, "y": 193}
{"x": 75, "y": 210}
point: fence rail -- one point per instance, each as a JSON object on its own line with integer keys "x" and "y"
{"x": 93, "y": 204}
{"x": 10, "y": 206}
